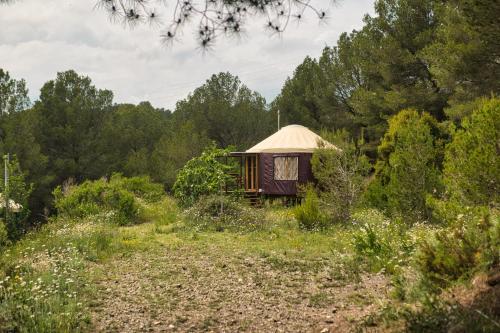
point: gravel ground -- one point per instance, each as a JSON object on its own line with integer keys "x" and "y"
{"x": 194, "y": 288}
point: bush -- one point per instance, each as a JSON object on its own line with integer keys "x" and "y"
{"x": 118, "y": 196}
{"x": 80, "y": 200}
{"x": 382, "y": 243}
{"x": 201, "y": 176}
{"x": 309, "y": 214}
{"x": 123, "y": 203}
{"x": 218, "y": 212}
{"x": 174, "y": 149}
{"x": 141, "y": 187}
{"x": 469, "y": 245}
{"x": 375, "y": 195}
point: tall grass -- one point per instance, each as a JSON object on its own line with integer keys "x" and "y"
{"x": 45, "y": 281}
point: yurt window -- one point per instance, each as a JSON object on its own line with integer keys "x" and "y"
{"x": 286, "y": 168}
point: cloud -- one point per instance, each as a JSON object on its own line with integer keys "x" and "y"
{"x": 41, "y": 38}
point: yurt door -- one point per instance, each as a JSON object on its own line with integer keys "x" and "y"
{"x": 251, "y": 173}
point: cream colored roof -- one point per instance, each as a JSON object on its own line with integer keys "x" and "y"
{"x": 290, "y": 139}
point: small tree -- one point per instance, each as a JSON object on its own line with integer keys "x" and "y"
{"x": 414, "y": 171}
{"x": 408, "y": 168}
{"x": 200, "y": 176}
{"x": 340, "y": 174}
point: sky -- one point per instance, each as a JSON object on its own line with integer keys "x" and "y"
{"x": 40, "y": 38}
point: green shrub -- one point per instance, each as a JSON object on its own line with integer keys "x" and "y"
{"x": 123, "y": 203}
{"x": 201, "y": 176}
{"x": 368, "y": 242}
{"x": 469, "y": 245}
{"x": 471, "y": 240}
{"x": 369, "y": 239}
{"x": 382, "y": 243}
{"x": 118, "y": 196}
{"x": 375, "y": 195}
{"x": 80, "y": 200}
{"x": 141, "y": 187}
{"x": 308, "y": 214}
{"x": 218, "y": 212}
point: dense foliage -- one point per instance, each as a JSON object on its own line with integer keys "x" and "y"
{"x": 408, "y": 165}
{"x": 469, "y": 204}
{"x": 117, "y": 198}
{"x": 202, "y": 175}
{"x": 472, "y": 162}
{"x": 227, "y": 111}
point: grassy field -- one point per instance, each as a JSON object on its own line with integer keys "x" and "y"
{"x": 164, "y": 275}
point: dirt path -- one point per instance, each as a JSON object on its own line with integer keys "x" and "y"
{"x": 205, "y": 288}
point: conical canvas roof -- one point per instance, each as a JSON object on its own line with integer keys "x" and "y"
{"x": 290, "y": 139}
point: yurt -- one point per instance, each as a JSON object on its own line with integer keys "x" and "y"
{"x": 277, "y": 164}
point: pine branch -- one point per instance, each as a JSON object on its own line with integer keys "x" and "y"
{"x": 213, "y": 18}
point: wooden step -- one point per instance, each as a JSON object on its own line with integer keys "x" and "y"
{"x": 253, "y": 198}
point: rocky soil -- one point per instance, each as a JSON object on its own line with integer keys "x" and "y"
{"x": 193, "y": 288}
